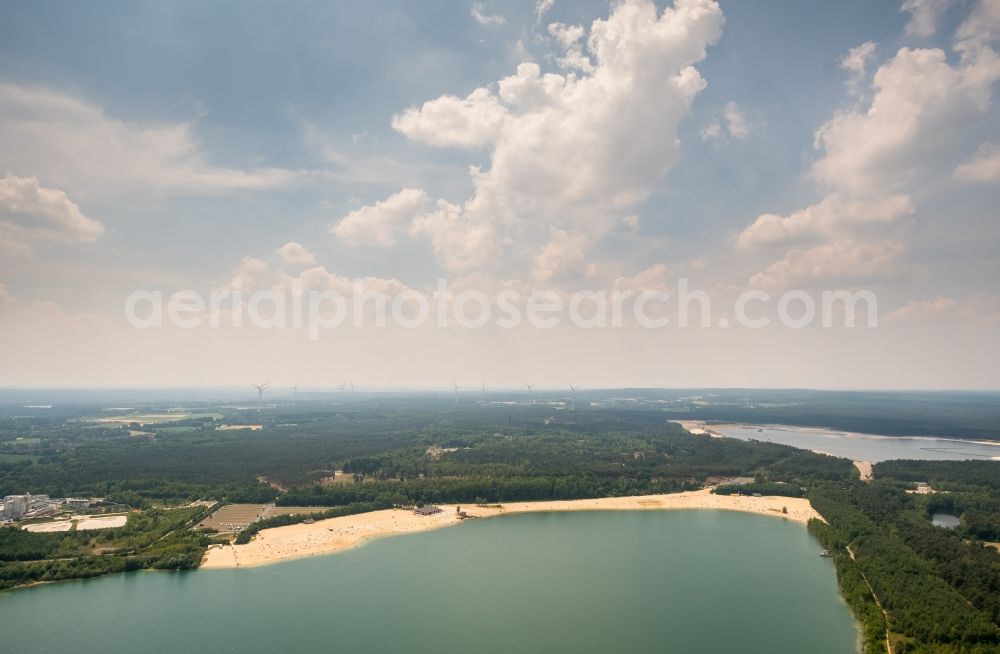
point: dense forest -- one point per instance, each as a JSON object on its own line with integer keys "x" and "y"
{"x": 187, "y": 460}
{"x": 561, "y": 463}
{"x": 939, "y": 588}
{"x": 913, "y": 586}
{"x": 944, "y": 475}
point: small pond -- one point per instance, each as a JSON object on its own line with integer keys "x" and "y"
{"x": 945, "y": 520}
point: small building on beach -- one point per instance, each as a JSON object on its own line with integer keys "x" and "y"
{"x": 427, "y": 510}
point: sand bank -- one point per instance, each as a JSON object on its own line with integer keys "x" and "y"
{"x": 336, "y": 534}
{"x": 699, "y": 428}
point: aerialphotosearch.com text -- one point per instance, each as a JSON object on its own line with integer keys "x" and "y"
{"x": 362, "y": 306}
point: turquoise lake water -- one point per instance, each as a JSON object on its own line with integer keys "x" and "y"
{"x": 682, "y": 582}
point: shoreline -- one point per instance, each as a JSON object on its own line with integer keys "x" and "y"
{"x": 348, "y": 532}
{"x": 703, "y": 428}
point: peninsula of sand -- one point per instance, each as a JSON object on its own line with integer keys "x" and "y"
{"x": 336, "y": 534}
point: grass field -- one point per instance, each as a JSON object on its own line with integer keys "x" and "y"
{"x": 24, "y": 440}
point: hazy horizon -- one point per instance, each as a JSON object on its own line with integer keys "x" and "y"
{"x": 286, "y": 392}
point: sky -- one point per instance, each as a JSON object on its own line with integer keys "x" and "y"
{"x": 780, "y": 149}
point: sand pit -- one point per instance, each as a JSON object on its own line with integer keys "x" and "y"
{"x": 100, "y": 521}
{"x": 83, "y": 522}
{"x": 864, "y": 469}
{"x": 49, "y": 527}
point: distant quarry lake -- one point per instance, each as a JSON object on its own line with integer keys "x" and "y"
{"x": 863, "y": 447}
{"x": 596, "y": 581}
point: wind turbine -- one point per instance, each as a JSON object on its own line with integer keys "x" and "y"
{"x": 455, "y": 384}
{"x": 484, "y": 391}
{"x": 352, "y": 389}
{"x": 573, "y": 402}
{"x": 295, "y": 394}
{"x": 260, "y": 394}
{"x": 530, "y": 386}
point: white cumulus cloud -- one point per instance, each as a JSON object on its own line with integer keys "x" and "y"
{"x": 731, "y": 123}
{"x": 577, "y": 151}
{"x": 541, "y": 8}
{"x": 479, "y": 14}
{"x": 832, "y": 216}
{"x": 449, "y": 121}
{"x": 76, "y": 145}
{"x": 983, "y": 167}
{"x": 856, "y": 62}
{"x": 381, "y": 224}
{"x": 460, "y": 244}
{"x": 870, "y": 154}
{"x": 922, "y": 309}
{"x": 30, "y": 211}
{"x": 924, "y": 16}
{"x": 840, "y": 261}
{"x": 981, "y": 28}
{"x": 295, "y": 254}
{"x": 979, "y": 307}
{"x": 564, "y": 251}
{"x": 857, "y": 59}
{"x": 570, "y": 38}
{"x": 921, "y": 103}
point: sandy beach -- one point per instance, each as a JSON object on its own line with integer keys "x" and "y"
{"x": 337, "y": 534}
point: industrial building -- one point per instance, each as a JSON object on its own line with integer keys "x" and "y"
{"x": 15, "y": 506}
{"x": 18, "y": 507}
